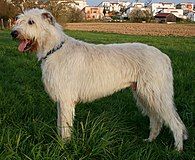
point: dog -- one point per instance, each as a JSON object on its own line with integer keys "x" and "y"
{"x": 74, "y": 71}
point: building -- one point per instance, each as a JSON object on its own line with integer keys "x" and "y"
{"x": 165, "y": 17}
{"x": 185, "y": 6}
{"x": 114, "y": 6}
{"x": 177, "y": 12}
{"x": 93, "y": 13}
{"x": 79, "y": 4}
{"x": 137, "y": 5}
{"x": 191, "y": 16}
{"x": 158, "y": 7}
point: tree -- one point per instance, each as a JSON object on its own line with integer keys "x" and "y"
{"x": 74, "y": 15}
{"x": 22, "y": 5}
{"x": 104, "y": 11}
{"x": 58, "y": 8}
{"x": 138, "y": 15}
{"x": 63, "y": 11}
{"x": 7, "y": 13}
{"x": 7, "y": 10}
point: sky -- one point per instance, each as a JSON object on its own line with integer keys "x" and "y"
{"x": 96, "y": 2}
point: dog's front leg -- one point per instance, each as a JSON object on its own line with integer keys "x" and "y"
{"x": 66, "y": 112}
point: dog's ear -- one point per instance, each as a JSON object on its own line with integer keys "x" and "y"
{"x": 47, "y": 16}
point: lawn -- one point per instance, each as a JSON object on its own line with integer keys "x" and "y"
{"x": 110, "y": 128}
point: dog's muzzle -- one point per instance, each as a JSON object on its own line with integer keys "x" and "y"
{"x": 14, "y": 34}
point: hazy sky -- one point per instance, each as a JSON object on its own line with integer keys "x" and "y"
{"x": 96, "y": 2}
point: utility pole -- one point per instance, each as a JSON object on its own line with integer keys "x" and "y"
{"x": 2, "y": 24}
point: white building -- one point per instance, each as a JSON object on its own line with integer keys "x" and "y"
{"x": 186, "y": 6}
{"x": 191, "y": 16}
{"x": 158, "y": 7}
{"x": 114, "y": 6}
{"x": 124, "y": 4}
{"x": 79, "y": 4}
{"x": 136, "y": 5}
{"x": 177, "y": 12}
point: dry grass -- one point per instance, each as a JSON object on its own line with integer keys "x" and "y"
{"x": 136, "y": 28}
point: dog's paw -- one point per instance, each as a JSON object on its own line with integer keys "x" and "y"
{"x": 185, "y": 135}
{"x": 147, "y": 140}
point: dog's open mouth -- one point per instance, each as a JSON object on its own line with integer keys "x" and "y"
{"x": 26, "y": 45}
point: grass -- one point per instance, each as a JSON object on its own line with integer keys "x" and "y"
{"x": 111, "y": 128}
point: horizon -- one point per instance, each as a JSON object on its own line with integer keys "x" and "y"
{"x": 96, "y": 2}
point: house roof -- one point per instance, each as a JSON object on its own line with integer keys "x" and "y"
{"x": 162, "y": 15}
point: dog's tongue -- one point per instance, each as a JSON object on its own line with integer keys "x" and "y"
{"x": 22, "y": 45}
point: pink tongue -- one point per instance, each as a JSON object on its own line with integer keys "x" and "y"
{"x": 22, "y": 45}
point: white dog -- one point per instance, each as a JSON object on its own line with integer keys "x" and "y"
{"x": 75, "y": 71}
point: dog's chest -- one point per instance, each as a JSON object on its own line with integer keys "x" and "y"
{"x": 51, "y": 79}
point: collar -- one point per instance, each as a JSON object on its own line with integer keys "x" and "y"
{"x": 53, "y": 50}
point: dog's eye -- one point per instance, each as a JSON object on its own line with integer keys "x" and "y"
{"x": 30, "y": 21}
{"x": 16, "y": 18}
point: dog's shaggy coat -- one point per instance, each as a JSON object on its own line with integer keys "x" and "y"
{"x": 82, "y": 72}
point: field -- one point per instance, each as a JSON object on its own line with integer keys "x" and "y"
{"x": 136, "y": 28}
{"x": 111, "y": 128}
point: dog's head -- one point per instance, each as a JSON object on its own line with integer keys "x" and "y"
{"x": 32, "y": 29}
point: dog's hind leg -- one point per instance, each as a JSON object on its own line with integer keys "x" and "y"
{"x": 66, "y": 112}
{"x": 171, "y": 118}
{"x": 155, "y": 121}
{"x": 156, "y": 100}
{"x": 58, "y": 118}
{"x": 155, "y": 126}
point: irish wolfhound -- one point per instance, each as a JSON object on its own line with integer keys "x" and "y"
{"x": 75, "y": 71}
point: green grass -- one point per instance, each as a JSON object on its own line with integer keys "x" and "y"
{"x": 110, "y": 128}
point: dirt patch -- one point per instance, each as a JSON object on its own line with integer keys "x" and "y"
{"x": 136, "y": 28}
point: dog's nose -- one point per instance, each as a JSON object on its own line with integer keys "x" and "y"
{"x": 14, "y": 34}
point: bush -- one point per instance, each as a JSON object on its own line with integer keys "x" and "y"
{"x": 67, "y": 14}
{"x": 7, "y": 10}
{"x": 138, "y": 15}
{"x": 75, "y": 15}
